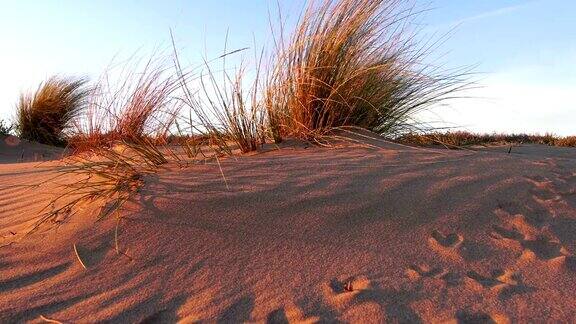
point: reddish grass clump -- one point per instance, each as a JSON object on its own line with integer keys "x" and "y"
{"x": 137, "y": 108}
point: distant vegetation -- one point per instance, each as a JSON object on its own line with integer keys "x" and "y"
{"x": 44, "y": 114}
{"x": 462, "y": 139}
{"x": 6, "y": 128}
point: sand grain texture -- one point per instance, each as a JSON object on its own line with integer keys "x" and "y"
{"x": 420, "y": 235}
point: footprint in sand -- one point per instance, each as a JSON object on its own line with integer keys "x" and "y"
{"x": 455, "y": 245}
{"x": 486, "y": 281}
{"x": 499, "y": 232}
{"x": 449, "y": 241}
{"x": 507, "y": 283}
{"x": 417, "y": 272}
{"x": 452, "y": 279}
{"x": 543, "y": 247}
{"x": 424, "y": 271}
{"x": 468, "y": 317}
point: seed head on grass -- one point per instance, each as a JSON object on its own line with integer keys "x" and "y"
{"x": 44, "y": 115}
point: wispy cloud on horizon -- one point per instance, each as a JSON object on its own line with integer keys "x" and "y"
{"x": 488, "y": 14}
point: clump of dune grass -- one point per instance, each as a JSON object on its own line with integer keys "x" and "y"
{"x": 226, "y": 114}
{"x": 117, "y": 139}
{"x": 44, "y": 115}
{"x": 354, "y": 63}
{"x": 131, "y": 105}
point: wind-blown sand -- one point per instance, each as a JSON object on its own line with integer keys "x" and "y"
{"x": 423, "y": 235}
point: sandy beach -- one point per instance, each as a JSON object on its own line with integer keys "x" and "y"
{"x": 417, "y": 235}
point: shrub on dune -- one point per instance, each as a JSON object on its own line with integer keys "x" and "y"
{"x": 353, "y": 63}
{"x": 44, "y": 114}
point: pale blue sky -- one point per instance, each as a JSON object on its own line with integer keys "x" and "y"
{"x": 525, "y": 48}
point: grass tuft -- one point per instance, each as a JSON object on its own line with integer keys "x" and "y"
{"x": 354, "y": 63}
{"x": 131, "y": 105}
{"x": 44, "y": 115}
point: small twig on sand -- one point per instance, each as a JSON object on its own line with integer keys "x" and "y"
{"x": 348, "y": 286}
{"x": 116, "y": 236}
{"x": 48, "y": 320}
{"x": 78, "y": 256}
{"x": 222, "y": 172}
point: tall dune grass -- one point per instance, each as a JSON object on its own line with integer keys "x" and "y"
{"x": 131, "y": 105}
{"x": 224, "y": 109}
{"x": 44, "y": 115}
{"x": 353, "y": 63}
{"x": 118, "y": 139}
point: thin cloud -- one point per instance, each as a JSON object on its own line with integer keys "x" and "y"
{"x": 494, "y": 13}
{"x": 489, "y": 14}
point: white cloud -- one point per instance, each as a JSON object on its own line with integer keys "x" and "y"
{"x": 508, "y": 104}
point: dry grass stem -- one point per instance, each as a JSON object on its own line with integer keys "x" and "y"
{"x": 78, "y": 257}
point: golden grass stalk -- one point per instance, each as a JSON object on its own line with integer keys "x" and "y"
{"x": 49, "y": 320}
{"x": 44, "y": 115}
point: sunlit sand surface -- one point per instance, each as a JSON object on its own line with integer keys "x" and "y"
{"x": 305, "y": 234}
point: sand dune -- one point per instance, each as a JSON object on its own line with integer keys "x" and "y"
{"x": 14, "y": 150}
{"x": 419, "y": 235}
